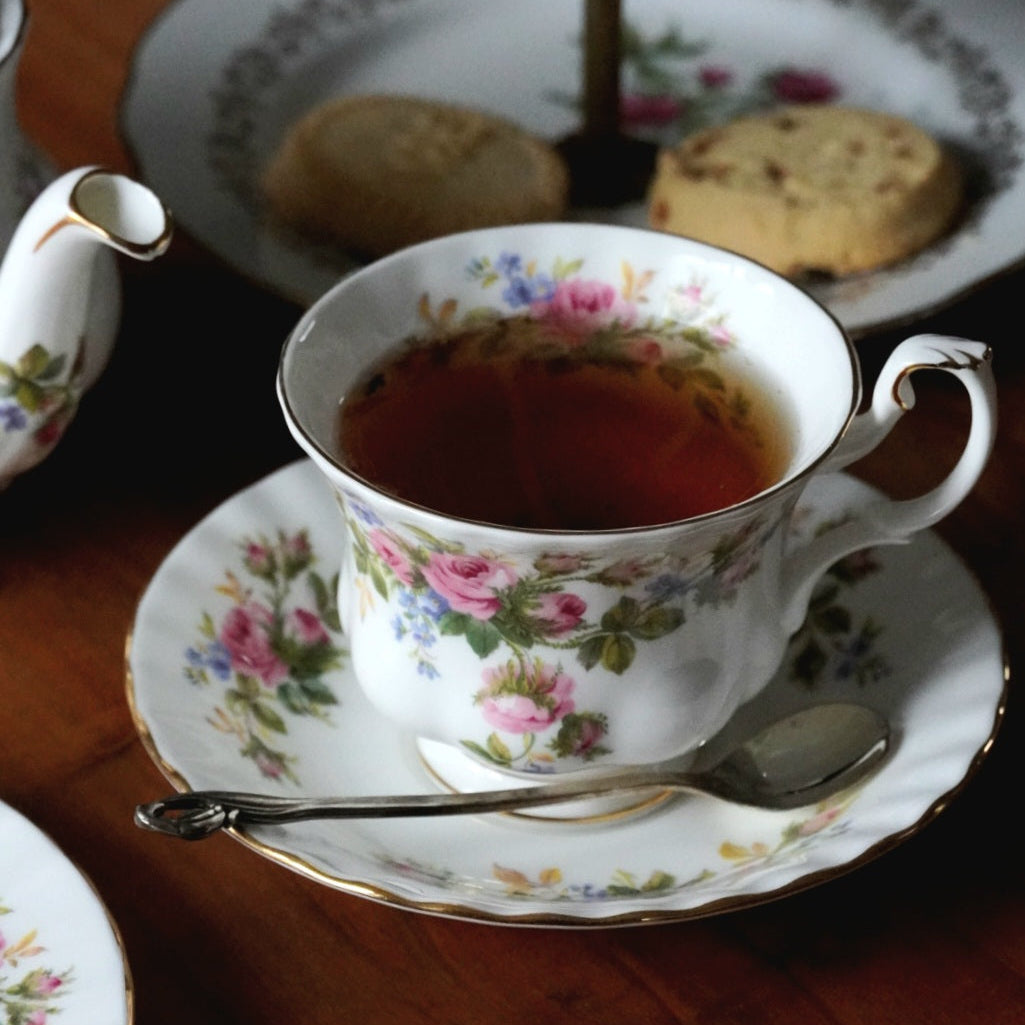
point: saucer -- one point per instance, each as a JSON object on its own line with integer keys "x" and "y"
{"x": 905, "y": 629}
{"x": 60, "y": 953}
{"x": 242, "y": 72}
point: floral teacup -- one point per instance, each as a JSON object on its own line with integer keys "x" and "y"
{"x": 549, "y": 651}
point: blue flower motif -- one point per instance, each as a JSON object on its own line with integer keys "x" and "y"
{"x": 522, "y": 291}
{"x": 668, "y": 585}
{"x": 508, "y": 264}
{"x": 433, "y": 605}
{"x": 13, "y": 417}
{"x": 424, "y": 636}
{"x": 214, "y": 657}
{"x": 427, "y": 669}
{"x": 362, "y": 512}
{"x": 399, "y": 627}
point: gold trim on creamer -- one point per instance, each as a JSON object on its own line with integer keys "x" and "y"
{"x": 75, "y": 216}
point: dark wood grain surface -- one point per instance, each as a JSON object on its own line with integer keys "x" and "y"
{"x": 931, "y": 933}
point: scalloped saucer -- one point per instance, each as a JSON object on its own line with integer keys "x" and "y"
{"x": 905, "y": 629}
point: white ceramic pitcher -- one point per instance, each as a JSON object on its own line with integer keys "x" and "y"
{"x": 60, "y": 299}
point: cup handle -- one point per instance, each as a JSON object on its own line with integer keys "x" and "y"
{"x": 886, "y": 521}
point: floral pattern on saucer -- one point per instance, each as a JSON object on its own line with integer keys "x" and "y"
{"x": 270, "y": 647}
{"x": 737, "y": 862}
{"x": 29, "y": 993}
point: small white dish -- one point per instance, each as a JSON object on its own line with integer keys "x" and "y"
{"x": 60, "y": 951}
{"x": 906, "y": 630}
{"x": 240, "y": 73}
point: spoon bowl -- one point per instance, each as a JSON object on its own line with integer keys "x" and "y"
{"x": 793, "y": 762}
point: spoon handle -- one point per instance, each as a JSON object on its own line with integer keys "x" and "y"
{"x": 802, "y": 758}
{"x": 201, "y": 813}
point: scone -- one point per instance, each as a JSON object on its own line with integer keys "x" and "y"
{"x": 375, "y": 173}
{"x": 809, "y": 188}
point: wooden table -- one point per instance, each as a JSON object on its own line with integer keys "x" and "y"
{"x": 934, "y": 932}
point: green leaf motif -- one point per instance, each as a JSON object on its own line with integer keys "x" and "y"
{"x": 706, "y": 407}
{"x": 29, "y": 396}
{"x": 454, "y": 624}
{"x": 268, "y": 717}
{"x": 498, "y": 750}
{"x": 622, "y": 616}
{"x": 516, "y": 632}
{"x": 657, "y": 622}
{"x": 809, "y": 662}
{"x": 36, "y": 363}
{"x": 318, "y": 692}
{"x": 834, "y": 619}
{"x": 589, "y": 653}
{"x": 482, "y": 637}
{"x": 618, "y": 653}
{"x": 709, "y": 378}
{"x": 324, "y": 597}
{"x": 379, "y": 582}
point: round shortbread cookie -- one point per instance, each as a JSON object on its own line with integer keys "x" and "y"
{"x": 376, "y": 173}
{"x": 809, "y": 188}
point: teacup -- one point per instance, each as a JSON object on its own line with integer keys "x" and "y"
{"x": 555, "y": 650}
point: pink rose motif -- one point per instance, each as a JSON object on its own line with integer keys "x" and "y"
{"x": 45, "y": 983}
{"x": 646, "y": 351}
{"x": 587, "y": 734}
{"x": 49, "y": 433}
{"x": 688, "y": 302}
{"x": 245, "y": 635}
{"x": 818, "y": 822}
{"x": 637, "y": 109}
{"x": 259, "y": 558}
{"x": 714, "y": 76}
{"x": 296, "y": 552}
{"x": 469, "y": 582}
{"x": 525, "y": 699}
{"x": 625, "y": 571}
{"x": 583, "y": 306}
{"x": 559, "y": 614}
{"x": 794, "y": 86}
{"x": 721, "y": 335}
{"x": 393, "y": 556}
{"x": 556, "y": 564}
{"x": 306, "y": 627}
{"x": 269, "y": 764}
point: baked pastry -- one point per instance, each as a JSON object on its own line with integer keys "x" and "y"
{"x": 809, "y": 188}
{"x": 378, "y": 172}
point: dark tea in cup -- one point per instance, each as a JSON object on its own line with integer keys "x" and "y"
{"x": 527, "y": 423}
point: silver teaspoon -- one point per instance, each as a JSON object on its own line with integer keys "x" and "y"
{"x": 795, "y": 761}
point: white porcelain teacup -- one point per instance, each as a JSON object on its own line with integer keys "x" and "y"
{"x": 549, "y": 651}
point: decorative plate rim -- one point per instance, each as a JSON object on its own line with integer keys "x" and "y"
{"x": 989, "y": 94}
